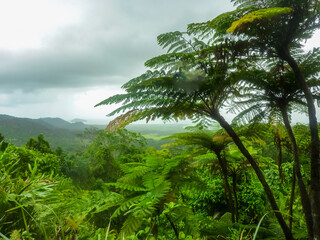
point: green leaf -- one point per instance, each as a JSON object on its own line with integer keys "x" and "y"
{"x": 258, "y": 15}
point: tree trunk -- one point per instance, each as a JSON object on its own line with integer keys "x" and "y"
{"x": 176, "y": 232}
{"x": 154, "y": 229}
{"x": 234, "y": 187}
{"x": 303, "y": 191}
{"x": 278, "y": 144}
{"x": 224, "y": 169}
{"x": 293, "y": 187}
{"x": 315, "y": 142}
{"x": 216, "y": 116}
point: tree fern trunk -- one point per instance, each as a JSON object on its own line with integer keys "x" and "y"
{"x": 315, "y": 142}
{"x": 176, "y": 232}
{"x": 293, "y": 187}
{"x": 234, "y": 187}
{"x": 303, "y": 191}
{"x": 216, "y": 116}
{"x": 224, "y": 169}
{"x": 278, "y": 144}
{"x": 154, "y": 229}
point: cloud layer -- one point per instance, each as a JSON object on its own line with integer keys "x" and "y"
{"x": 106, "y": 46}
{"x": 60, "y": 58}
{"x": 99, "y": 45}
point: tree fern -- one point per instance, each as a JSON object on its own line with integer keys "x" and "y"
{"x": 264, "y": 92}
{"x": 146, "y": 187}
{"x": 202, "y": 85}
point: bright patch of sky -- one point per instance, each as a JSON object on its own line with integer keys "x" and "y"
{"x": 27, "y": 24}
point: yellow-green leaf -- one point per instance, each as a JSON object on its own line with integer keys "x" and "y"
{"x": 260, "y": 14}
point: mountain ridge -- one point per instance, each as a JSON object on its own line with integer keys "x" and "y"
{"x": 61, "y": 133}
{"x": 57, "y": 131}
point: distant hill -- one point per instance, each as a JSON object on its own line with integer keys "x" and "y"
{"x": 62, "y": 133}
{"x": 56, "y": 130}
{"x": 63, "y": 124}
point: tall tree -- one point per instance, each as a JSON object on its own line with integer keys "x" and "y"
{"x": 280, "y": 26}
{"x": 268, "y": 94}
{"x": 193, "y": 81}
{"x": 216, "y": 142}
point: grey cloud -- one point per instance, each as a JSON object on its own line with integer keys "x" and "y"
{"x": 104, "y": 50}
{"x": 113, "y": 41}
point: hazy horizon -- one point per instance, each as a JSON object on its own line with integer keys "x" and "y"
{"x": 296, "y": 118}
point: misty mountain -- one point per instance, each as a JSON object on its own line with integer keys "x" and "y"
{"x": 62, "y": 124}
{"x": 56, "y": 130}
{"x": 61, "y": 133}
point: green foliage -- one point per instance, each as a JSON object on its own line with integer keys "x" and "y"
{"x": 192, "y": 88}
{"x": 157, "y": 190}
{"x": 265, "y": 94}
{"x": 218, "y": 26}
{"x": 261, "y": 14}
{"x": 39, "y": 144}
{"x": 3, "y": 144}
{"x": 148, "y": 188}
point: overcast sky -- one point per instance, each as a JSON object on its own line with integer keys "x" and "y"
{"x": 58, "y": 58}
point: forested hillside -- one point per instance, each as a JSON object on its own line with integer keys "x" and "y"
{"x": 59, "y": 132}
{"x": 72, "y": 136}
{"x": 255, "y": 177}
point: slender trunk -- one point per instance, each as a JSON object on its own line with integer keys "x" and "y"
{"x": 224, "y": 169}
{"x": 176, "y": 233}
{"x": 315, "y": 142}
{"x": 216, "y": 116}
{"x": 303, "y": 191}
{"x": 278, "y": 143}
{"x": 154, "y": 229}
{"x": 293, "y": 187}
{"x": 234, "y": 187}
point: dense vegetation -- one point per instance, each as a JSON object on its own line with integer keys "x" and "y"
{"x": 199, "y": 186}
{"x": 255, "y": 178}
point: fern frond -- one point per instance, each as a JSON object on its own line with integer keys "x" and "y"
{"x": 181, "y": 213}
{"x": 171, "y": 62}
{"x": 175, "y": 41}
{"x": 159, "y": 192}
{"x": 257, "y": 15}
{"x": 122, "y": 120}
{"x": 106, "y": 202}
{"x": 131, "y": 224}
{"x": 173, "y": 163}
{"x": 126, "y": 205}
{"x": 135, "y": 173}
{"x": 205, "y": 159}
{"x": 152, "y": 180}
{"x": 126, "y": 186}
{"x": 218, "y": 26}
{"x": 248, "y": 3}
